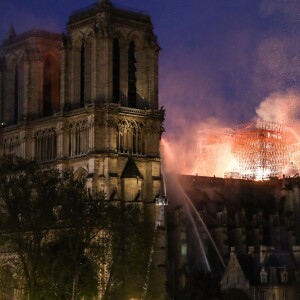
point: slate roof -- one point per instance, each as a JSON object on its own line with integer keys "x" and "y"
{"x": 273, "y": 263}
{"x": 131, "y": 170}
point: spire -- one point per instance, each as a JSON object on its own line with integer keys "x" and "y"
{"x": 11, "y": 32}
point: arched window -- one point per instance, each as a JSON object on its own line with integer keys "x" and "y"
{"x": 78, "y": 139}
{"x": 284, "y": 275}
{"x": 11, "y": 146}
{"x": 16, "y": 94}
{"x": 45, "y": 145}
{"x": 116, "y": 71}
{"x": 47, "y": 88}
{"x": 222, "y": 217}
{"x": 134, "y": 139}
{"x": 120, "y": 139}
{"x": 80, "y": 173}
{"x": 131, "y": 75}
{"x": 139, "y": 141}
{"x": 130, "y": 138}
{"x": 263, "y": 276}
{"x": 82, "y": 74}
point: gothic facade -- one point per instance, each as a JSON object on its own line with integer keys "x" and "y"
{"x": 87, "y": 99}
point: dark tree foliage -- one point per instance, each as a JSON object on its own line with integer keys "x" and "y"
{"x": 28, "y": 196}
{"x": 131, "y": 250}
{"x": 200, "y": 285}
{"x": 235, "y": 294}
{"x": 52, "y": 224}
{"x": 62, "y": 236}
{"x": 82, "y": 217}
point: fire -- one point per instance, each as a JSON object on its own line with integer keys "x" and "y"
{"x": 257, "y": 150}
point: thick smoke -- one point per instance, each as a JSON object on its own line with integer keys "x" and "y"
{"x": 206, "y": 147}
{"x": 280, "y": 107}
{"x": 248, "y": 68}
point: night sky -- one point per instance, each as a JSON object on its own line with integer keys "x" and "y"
{"x": 219, "y": 58}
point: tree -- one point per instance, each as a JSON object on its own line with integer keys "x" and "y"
{"x": 84, "y": 220}
{"x": 234, "y": 294}
{"x": 28, "y": 196}
{"x": 62, "y": 235}
{"x": 132, "y": 237}
{"x": 200, "y": 285}
{"x": 54, "y": 228}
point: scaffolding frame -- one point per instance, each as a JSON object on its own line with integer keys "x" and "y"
{"x": 262, "y": 149}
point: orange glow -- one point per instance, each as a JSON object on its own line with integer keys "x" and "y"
{"x": 257, "y": 150}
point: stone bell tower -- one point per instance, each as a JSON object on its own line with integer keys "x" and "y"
{"x": 109, "y": 74}
{"x": 87, "y": 100}
{"x": 110, "y": 56}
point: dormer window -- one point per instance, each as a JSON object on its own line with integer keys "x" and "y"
{"x": 284, "y": 275}
{"x": 222, "y": 217}
{"x": 274, "y": 220}
{"x": 297, "y": 276}
{"x": 263, "y": 276}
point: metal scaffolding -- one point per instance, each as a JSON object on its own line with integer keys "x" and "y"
{"x": 259, "y": 149}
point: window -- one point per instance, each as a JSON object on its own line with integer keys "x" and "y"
{"x": 297, "y": 276}
{"x": 45, "y": 145}
{"x": 47, "y": 88}
{"x": 116, "y": 71}
{"x": 130, "y": 137}
{"x": 284, "y": 275}
{"x": 78, "y": 138}
{"x": 273, "y": 220}
{"x": 222, "y": 217}
{"x": 131, "y": 75}
{"x": 263, "y": 276}
{"x": 12, "y": 145}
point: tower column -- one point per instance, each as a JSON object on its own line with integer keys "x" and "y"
{"x": 153, "y": 77}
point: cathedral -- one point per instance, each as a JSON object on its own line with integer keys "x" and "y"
{"x": 87, "y": 99}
